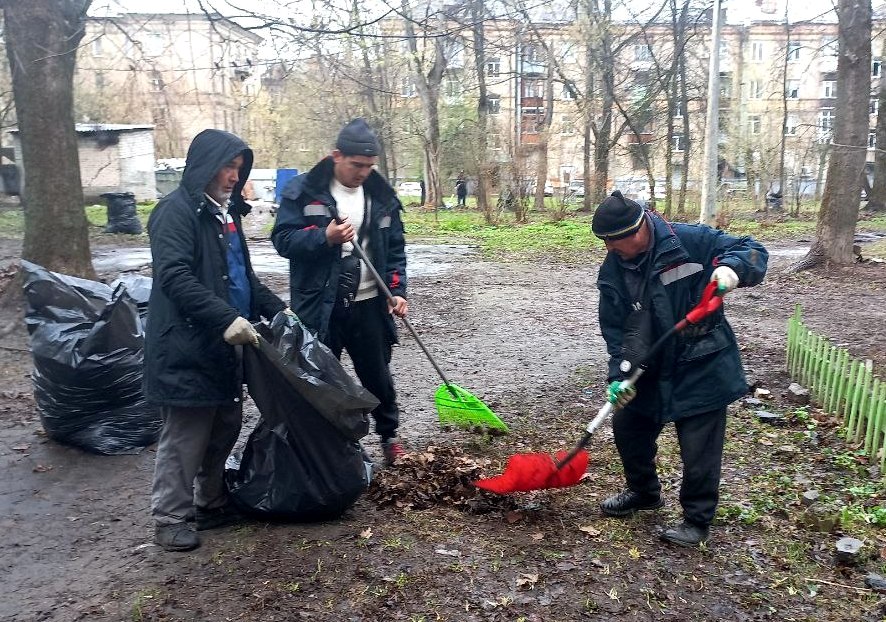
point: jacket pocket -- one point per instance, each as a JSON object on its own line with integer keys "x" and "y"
{"x": 705, "y": 346}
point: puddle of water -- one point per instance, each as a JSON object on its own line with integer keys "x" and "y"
{"x": 421, "y": 259}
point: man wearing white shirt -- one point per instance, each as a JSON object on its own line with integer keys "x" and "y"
{"x": 340, "y": 202}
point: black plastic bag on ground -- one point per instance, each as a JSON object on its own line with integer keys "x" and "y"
{"x": 87, "y": 342}
{"x": 122, "y": 213}
{"x": 303, "y": 461}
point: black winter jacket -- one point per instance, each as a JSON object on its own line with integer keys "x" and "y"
{"x": 187, "y": 362}
{"x": 299, "y": 234}
{"x": 696, "y": 372}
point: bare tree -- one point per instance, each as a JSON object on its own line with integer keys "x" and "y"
{"x": 41, "y": 44}
{"x": 877, "y": 196}
{"x": 839, "y": 208}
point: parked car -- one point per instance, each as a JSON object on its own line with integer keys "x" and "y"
{"x": 409, "y": 188}
{"x": 577, "y": 188}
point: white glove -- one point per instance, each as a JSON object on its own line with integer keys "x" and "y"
{"x": 241, "y": 333}
{"x": 726, "y": 278}
{"x": 290, "y": 312}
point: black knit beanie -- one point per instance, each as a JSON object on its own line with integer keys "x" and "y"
{"x": 617, "y": 217}
{"x": 357, "y": 138}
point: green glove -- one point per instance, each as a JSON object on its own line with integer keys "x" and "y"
{"x": 619, "y": 394}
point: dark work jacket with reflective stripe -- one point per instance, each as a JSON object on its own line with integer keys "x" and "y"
{"x": 699, "y": 370}
{"x": 299, "y": 234}
{"x": 187, "y": 362}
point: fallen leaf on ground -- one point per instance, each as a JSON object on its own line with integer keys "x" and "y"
{"x": 591, "y": 531}
{"x": 42, "y": 468}
{"x": 527, "y": 580}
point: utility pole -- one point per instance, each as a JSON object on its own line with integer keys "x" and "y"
{"x": 708, "y": 214}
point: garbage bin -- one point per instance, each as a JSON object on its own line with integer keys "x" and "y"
{"x": 122, "y": 217}
{"x": 283, "y": 177}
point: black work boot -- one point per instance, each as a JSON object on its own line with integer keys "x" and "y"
{"x": 686, "y": 534}
{"x": 215, "y": 518}
{"x": 176, "y": 537}
{"x": 627, "y": 502}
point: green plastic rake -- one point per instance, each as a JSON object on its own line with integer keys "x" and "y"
{"x": 455, "y": 406}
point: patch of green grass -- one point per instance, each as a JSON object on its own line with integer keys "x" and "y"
{"x": 97, "y": 215}
{"x": 140, "y": 601}
{"x": 12, "y": 223}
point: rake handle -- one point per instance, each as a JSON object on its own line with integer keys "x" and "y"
{"x": 358, "y": 250}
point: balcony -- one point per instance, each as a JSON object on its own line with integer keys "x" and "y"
{"x": 531, "y": 67}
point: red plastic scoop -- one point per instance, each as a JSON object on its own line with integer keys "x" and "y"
{"x": 525, "y": 472}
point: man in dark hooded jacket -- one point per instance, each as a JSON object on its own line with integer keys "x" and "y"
{"x": 653, "y": 275}
{"x": 204, "y": 298}
{"x": 323, "y": 213}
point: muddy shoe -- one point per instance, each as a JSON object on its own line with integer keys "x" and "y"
{"x": 393, "y": 450}
{"x": 217, "y": 517}
{"x": 176, "y": 537}
{"x": 686, "y": 534}
{"x": 627, "y": 502}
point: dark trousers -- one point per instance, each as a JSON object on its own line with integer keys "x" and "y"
{"x": 701, "y": 449}
{"x": 361, "y": 330}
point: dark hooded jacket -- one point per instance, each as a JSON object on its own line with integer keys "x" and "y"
{"x": 187, "y": 362}
{"x": 306, "y": 209}
{"x": 699, "y": 370}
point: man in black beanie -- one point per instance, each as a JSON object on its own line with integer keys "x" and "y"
{"x": 653, "y": 275}
{"x": 340, "y": 202}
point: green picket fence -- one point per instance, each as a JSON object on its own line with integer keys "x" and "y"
{"x": 840, "y": 385}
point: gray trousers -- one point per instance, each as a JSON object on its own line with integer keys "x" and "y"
{"x": 189, "y": 469}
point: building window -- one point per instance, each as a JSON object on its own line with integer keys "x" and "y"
{"x": 97, "y": 47}
{"x": 495, "y": 142}
{"x": 793, "y": 89}
{"x": 99, "y": 80}
{"x": 757, "y": 51}
{"x": 453, "y": 86}
{"x": 876, "y": 66}
{"x": 454, "y": 52}
{"x": 642, "y": 52}
{"x": 533, "y": 88}
{"x": 567, "y": 94}
{"x": 825, "y": 122}
{"x": 755, "y": 89}
{"x": 794, "y": 51}
{"x": 678, "y": 142}
{"x": 154, "y": 44}
{"x": 493, "y": 66}
{"x": 829, "y": 89}
{"x": 791, "y": 126}
{"x": 725, "y": 85}
{"x": 724, "y": 50}
{"x": 830, "y": 48}
{"x": 407, "y": 87}
{"x": 874, "y": 106}
{"x": 156, "y": 81}
{"x": 872, "y": 139}
{"x": 567, "y": 126}
{"x": 755, "y": 124}
{"x": 678, "y": 110}
{"x": 493, "y": 104}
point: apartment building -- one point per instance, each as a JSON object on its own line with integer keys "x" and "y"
{"x": 777, "y": 86}
{"x": 179, "y": 72}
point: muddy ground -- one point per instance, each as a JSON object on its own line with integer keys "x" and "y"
{"x": 77, "y": 540}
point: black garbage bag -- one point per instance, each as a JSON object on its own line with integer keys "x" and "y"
{"x": 122, "y": 216}
{"x": 87, "y": 341}
{"x": 138, "y": 287}
{"x": 303, "y": 461}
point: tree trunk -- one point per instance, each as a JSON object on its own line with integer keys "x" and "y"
{"x": 484, "y": 168}
{"x": 603, "y": 133}
{"x": 877, "y": 196}
{"x": 782, "y": 142}
{"x": 839, "y": 207}
{"x": 41, "y": 43}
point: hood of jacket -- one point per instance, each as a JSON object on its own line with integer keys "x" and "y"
{"x": 209, "y": 152}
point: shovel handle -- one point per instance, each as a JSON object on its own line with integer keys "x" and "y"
{"x": 358, "y": 250}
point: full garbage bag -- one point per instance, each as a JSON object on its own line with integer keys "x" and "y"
{"x": 122, "y": 213}
{"x": 87, "y": 342}
{"x": 303, "y": 461}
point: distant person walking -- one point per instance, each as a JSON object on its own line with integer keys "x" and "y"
{"x": 461, "y": 189}
{"x": 204, "y": 298}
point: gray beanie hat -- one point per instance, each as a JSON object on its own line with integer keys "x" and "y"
{"x": 357, "y": 138}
